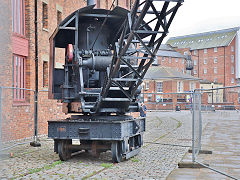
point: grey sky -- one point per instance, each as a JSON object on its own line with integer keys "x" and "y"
{"x": 196, "y": 16}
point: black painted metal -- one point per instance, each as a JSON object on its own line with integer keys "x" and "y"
{"x": 111, "y": 57}
{"x": 98, "y": 128}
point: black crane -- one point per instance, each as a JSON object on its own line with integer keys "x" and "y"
{"x": 106, "y": 58}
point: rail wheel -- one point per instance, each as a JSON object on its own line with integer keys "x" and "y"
{"x": 63, "y": 150}
{"x": 116, "y": 149}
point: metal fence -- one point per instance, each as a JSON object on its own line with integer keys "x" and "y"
{"x": 167, "y": 101}
{"x": 221, "y": 102}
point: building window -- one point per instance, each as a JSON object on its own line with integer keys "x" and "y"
{"x": 215, "y": 70}
{"x": 159, "y": 87}
{"x": 215, "y": 80}
{"x": 215, "y": 60}
{"x": 185, "y": 53}
{"x": 59, "y": 17}
{"x": 195, "y": 52}
{"x": 205, "y": 51}
{"x": 182, "y": 70}
{"x": 215, "y": 49}
{"x": 205, "y": 61}
{"x": 232, "y": 48}
{"x": 176, "y": 59}
{"x": 146, "y": 85}
{"x": 195, "y": 72}
{"x": 163, "y": 58}
{"x": 195, "y": 62}
{"x": 232, "y": 81}
{"x": 192, "y": 86}
{"x": 98, "y": 3}
{"x": 232, "y": 58}
{"x": 149, "y": 97}
{"x": 180, "y": 86}
{"x": 182, "y": 61}
{"x": 232, "y": 69}
{"x": 45, "y": 74}
{"x": 204, "y": 71}
{"x": 170, "y": 60}
{"x": 45, "y": 15}
{"x": 18, "y": 77}
{"x": 127, "y": 4}
{"x": 18, "y": 18}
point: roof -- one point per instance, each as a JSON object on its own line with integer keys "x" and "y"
{"x": 167, "y": 51}
{"x": 204, "y": 40}
{"x": 161, "y": 72}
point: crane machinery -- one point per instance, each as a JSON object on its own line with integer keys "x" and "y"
{"x": 106, "y": 58}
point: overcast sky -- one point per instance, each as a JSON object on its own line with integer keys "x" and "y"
{"x": 196, "y": 16}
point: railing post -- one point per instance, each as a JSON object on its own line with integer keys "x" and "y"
{"x": 0, "y": 117}
{"x": 35, "y": 142}
{"x": 193, "y": 126}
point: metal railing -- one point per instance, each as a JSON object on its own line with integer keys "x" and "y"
{"x": 167, "y": 101}
{"x": 218, "y": 100}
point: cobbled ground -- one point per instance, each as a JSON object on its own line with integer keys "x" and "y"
{"x": 166, "y": 140}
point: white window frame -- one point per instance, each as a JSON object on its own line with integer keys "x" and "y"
{"x": 232, "y": 58}
{"x": 195, "y": 52}
{"x": 205, "y": 71}
{"x": 183, "y": 61}
{"x": 176, "y": 59}
{"x": 215, "y": 49}
{"x": 163, "y": 58}
{"x": 205, "y": 61}
{"x": 179, "y": 86}
{"x": 192, "y": 86}
{"x": 232, "y": 81}
{"x": 205, "y": 51}
{"x": 232, "y": 69}
{"x": 161, "y": 86}
{"x": 215, "y": 70}
{"x": 146, "y": 85}
{"x": 232, "y": 48}
{"x": 170, "y": 60}
{"x": 194, "y": 71}
{"x": 195, "y": 62}
{"x": 215, "y": 60}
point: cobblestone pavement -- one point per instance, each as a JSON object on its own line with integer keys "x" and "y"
{"x": 158, "y": 157}
{"x": 221, "y": 135}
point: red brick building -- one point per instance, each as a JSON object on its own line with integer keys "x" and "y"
{"x": 164, "y": 88}
{"x": 215, "y": 54}
{"x": 18, "y": 58}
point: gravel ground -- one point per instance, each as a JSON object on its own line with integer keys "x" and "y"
{"x": 158, "y": 157}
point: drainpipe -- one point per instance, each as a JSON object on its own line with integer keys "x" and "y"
{"x": 198, "y": 64}
{"x": 224, "y": 71}
{"x": 35, "y": 142}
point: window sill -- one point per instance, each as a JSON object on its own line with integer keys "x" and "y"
{"x": 19, "y": 35}
{"x": 44, "y": 29}
{"x": 45, "y": 88}
{"x": 16, "y": 104}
